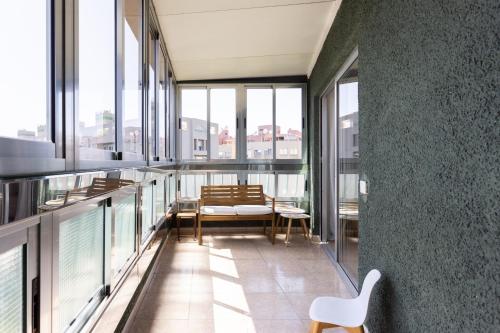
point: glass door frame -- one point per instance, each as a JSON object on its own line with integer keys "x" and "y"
{"x": 329, "y": 165}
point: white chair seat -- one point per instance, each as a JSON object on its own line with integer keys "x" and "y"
{"x": 338, "y": 311}
{"x": 294, "y": 216}
{"x": 217, "y": 210}
{"x": 253, "y": 210}
{"x": 344, "y": 312}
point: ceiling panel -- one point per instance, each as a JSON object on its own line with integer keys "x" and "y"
{"x": 267, "y": 38}
{"x": 176, "y": 7}
{"x": 282, "y": 65}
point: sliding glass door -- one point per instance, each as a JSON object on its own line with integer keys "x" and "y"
{"x": 348, "y": 171}
{"x": 340, "y": 168}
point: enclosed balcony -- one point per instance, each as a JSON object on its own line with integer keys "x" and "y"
{"x": 249, "y": 166}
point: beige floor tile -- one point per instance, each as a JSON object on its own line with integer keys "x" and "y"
{"x": 270, "y": 306}
{"x": 237, "y": 283}
{"x": 159, "y": 326}
{"x": 166, "y": 306}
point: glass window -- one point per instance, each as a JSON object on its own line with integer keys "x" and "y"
{"x": 191, "y": 185}
{"x": 264, "y": 179}
{"x": 172, "y": 190}
{"x": 124, "y": 234}
{"x": 223, "y": 123}
{"x": 348, "y": 171}
{"x": 291, "y": 186}
{"x": 132, "y": 78}
{"x": 11, "y": 290}
{"x": 260, "y": 123}
{"x": 152, "y": 96}
{"x": 147, "y": 212}
{"x": 194, "y": 124}
{"x": 172, "y": 116}
{"x": 25, "y": 77}
{"x": 223, "y": 179}
{"x": 81, "y": 263}
{"x": 160, "y": 199}
{"x": 96, "y": 74}
{"x": 162, "y": 105}
{"x": 289, "y": 123}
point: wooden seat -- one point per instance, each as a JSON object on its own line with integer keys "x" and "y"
{"x": 241, "y": 197}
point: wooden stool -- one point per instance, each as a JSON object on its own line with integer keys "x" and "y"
{"x": 295, "y": 216}
{"x": 279, "y": 209}
{"x": 185, "y": 216}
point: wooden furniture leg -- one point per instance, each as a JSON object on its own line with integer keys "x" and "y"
{"x": 195, "y": 222}
{"x": 273, "y": 230}
{"x": 358, "y": 329}
{"x": 317, "y": 326}
{"x": 288, "y": 231}
{"x": 200, "y": 237}
{"x": 178, "y": 222}
{"x": 264, "y": 224}
{"x": 304, "y": 228}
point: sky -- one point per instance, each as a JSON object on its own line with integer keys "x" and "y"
{"x": 23, "y": 66}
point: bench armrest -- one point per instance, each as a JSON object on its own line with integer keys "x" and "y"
{"x": 201, "y": 203}
{"x": 270, "y": 198}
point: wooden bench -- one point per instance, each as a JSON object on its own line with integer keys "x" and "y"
{"x": 234, "y": 203}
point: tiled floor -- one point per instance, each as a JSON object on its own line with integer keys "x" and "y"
{"x": 236, "y": 283}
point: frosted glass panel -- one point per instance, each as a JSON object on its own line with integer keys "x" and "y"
{"x": 160, "y": 199}
{"x": 291, "y": 186}
{"x": 266, "y": 180}
{"x": 172, "y": 189}
{"x": 81, "y": 267}
{"x": 147, "y": 211}
{"x": 224, "y": 179}
{"x": 11, "y": 290}
{"x": 191, "y": 185}
{"x": 124, "y": 234}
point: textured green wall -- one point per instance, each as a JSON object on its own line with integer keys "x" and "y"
{"x": 429, "y": 145}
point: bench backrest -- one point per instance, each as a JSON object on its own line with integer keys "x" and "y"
{"x": 230, "y": 195}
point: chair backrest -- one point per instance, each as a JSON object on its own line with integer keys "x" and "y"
{"x": 364, "y": 296}
{"x": 230, "y": 195}
{"x": 103, "y": 185}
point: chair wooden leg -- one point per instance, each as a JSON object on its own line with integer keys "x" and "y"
{"x": 303, "y": 224}
{"x": 317, "y": 326}
{"x": 178, "y": 223}
{"x": 195, "y": 220}
{"x": 358, "y": 329}
{"x": 288, "y": 231}
{"x": 200, "y": 237}
{"x": 273, "y": 230}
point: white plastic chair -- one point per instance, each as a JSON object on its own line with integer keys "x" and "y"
{"x": 327, "y": 312}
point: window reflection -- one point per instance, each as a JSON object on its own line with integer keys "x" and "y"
{"x": 96, "y": 74}
{"x": 259, "y": 123}
{"x": 194, "y": 124}
{"x": 24, "y": 70}
{"x": 348, "y": 170}
{"x": 288, "y": 123}
{"x": 223, "y": 123}
{"x": 132, "y": 82}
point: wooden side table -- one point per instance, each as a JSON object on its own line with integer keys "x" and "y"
{"x": 186, "y": 216}
{"x": 295, "y": 216}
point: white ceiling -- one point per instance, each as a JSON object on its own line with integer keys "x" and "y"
{"x": 219, "y": 39}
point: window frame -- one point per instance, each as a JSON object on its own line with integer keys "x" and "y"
{"x": 21, "y": 156}
{"x": 96, "y": 156}
{"x": 241, "y": 116}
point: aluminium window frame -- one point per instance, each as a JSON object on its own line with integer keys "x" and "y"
{"x": 128, "y": 158}
{"x": 241, "y": 130}
{"x": 20, "y": 156}
{"x": 95, "y": 156}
